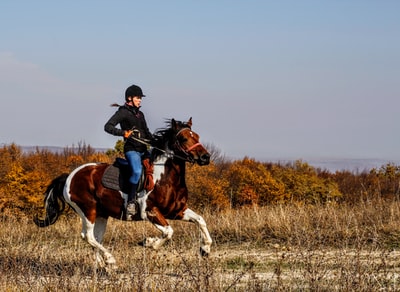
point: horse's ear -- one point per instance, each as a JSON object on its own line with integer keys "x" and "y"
{"x": 173, "y": 124}
{"x": 190, "y": 122}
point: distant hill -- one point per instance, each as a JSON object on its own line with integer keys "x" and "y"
{"x": 55, "y": 149}
{"x": 340, "y": 164}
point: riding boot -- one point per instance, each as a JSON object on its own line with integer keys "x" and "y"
{"x": 132, "y": 204}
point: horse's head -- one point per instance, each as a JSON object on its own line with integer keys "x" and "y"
{"x": 188, "y": 143}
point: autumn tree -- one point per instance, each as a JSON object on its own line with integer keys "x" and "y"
{"x": 207, "y": 187}
{"x": 386, "y": 180}
{"x": 118, "y": 150}
{"x": 250, "y": 183}
{"x": 304, "y": 185}
{"x": 9, "y": 154}
{"x": 13, "y": 176}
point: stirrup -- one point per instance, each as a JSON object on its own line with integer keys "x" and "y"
{"x": 131, "y": 209}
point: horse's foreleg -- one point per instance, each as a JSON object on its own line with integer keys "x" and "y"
{"x": 157, "y": 242}
{"x": 161, "y": 224}
{"x": 206, "y": 241}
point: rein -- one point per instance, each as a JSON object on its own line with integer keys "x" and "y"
{"x": 167, "y": 152}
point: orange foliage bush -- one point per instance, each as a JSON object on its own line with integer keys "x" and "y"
{"x": 303, "y": 183}
{"x": 207, "y": 187}
{"x": 222, "y": 184}
{"x": 25, "y": 176}
{"x": 251, "y": 183}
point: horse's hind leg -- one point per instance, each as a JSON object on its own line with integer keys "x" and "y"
{"x": 99, "y": 230}
{"x": 94, "y": 236}
{"x": 206, "y": 241}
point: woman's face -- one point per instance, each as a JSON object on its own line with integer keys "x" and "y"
{"x": 136, "y": 101}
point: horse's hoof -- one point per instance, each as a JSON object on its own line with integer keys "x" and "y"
{"x": 111, "y": 268}
{"x": 150, "y": 242}
{"x": 204, "y": 253}
{"x": 110, "y": 260}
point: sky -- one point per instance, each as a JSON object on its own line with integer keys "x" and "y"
{"x": 260, "y": 79}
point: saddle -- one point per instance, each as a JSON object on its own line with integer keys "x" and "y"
{"x": 116, "y": 176}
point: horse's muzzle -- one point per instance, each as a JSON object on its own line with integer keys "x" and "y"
{"x": 204, "y": 159}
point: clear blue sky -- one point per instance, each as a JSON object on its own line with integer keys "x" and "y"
{"x": 264, "y": 79}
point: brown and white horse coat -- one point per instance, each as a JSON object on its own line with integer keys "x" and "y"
{"x": 85, "y": 193}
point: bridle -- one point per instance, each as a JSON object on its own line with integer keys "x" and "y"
{"x": 177, "y": 145}
{"x": 187, "y": 150}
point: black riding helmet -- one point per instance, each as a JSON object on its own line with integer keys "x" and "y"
{"x": 133, "y": 90}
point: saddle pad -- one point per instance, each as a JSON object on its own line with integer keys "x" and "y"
{"x": 116, "y": 177}
{"x": 111, "y": 178}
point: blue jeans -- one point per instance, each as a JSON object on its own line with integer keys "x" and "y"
{"x": 135, "y": 163}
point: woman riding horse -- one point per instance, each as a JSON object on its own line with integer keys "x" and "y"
{"x": 132, "y": 123}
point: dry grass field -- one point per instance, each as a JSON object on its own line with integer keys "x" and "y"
{"x": 275, "y": 248}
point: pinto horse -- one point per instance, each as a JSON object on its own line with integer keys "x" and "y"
{"x": 83, "y": 190}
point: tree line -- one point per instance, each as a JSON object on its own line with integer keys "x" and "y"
{"x": 223, "y": 184}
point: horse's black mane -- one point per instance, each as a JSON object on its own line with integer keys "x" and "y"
{"x": 165, "y": 137}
